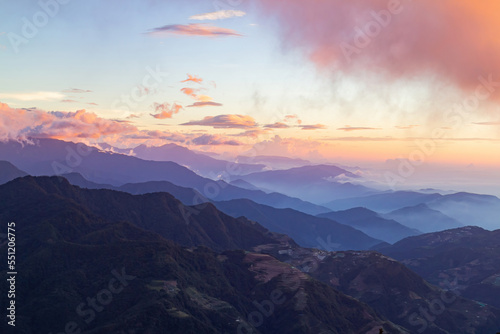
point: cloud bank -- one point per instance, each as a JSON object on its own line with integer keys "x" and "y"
{"x": 452, "y": 41}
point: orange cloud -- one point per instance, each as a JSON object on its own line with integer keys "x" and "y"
{"x": 191, "y": 92}
{"x": 165, "y": 110}
{"x": 193, "y": 29}
{"x": 226, "y": 122}
{"x": 21, "y": 124}
{"x": 451, "y": 40}
{"x": 276, "y": 125}
{"x": 193, "y": 78}
{"x": 205, "y": 104}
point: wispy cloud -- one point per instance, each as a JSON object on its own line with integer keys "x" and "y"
{"x": 219, "y": 15}
{"x": 33, "y": 96}
{"x": 193, "y": 78}
{"x": 69, "y": 101}
{"x": 213, "y": 140}
{"x": 76, "y": 90}
{"x": 193, "y": 29}
{"x": 205, "y": 104}
{"x": 92, "y": 104}
{"x": 488, "y": 123}
{"x": 276, "y": 125}
{"x": 313, "y": 127}
{"x": 165, "y": 110}
{"x": 226, "y": 122}
{"x": 357, "y": 128}
{"x": 191, "y": 92}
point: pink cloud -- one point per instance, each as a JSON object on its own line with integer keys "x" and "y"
{"x": 205, "y": 104}
{"x": 165, "y": 110}
{"x": 213, "y": 140}
{"x": 450, "y": 40}
{"x": 276, "y": 125}
{"x": 226, "y": 122}
{"x": 193, "y": 29}
{"x": 193, "y": 78}
{"x": 20, "y": 124}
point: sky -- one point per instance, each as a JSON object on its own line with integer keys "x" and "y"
{"x": 352, "y": 82}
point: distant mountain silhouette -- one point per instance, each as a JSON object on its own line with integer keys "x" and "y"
{"x": 470, "y": 209}
{"x": 244, "y": 184}
{"x": 423, "y": 218}
{"x": 466, "y": 208}
{"x": 55, "y": 157}
{"x": 9, "y": 172}
{"x": 306, "y": 230}
{"x": 274, "y": 162}
{"x": 199, "y": 163}
{"x": 385, "y": 202}
{"x": 372, "y": 224}
{"x": 157, "y": 212}
{"x": 84, "y": 267}
{"x": 465, "y": 260}
{"x": 317, "y": 183}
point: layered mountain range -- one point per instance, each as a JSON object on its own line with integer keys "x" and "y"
{"x": 112, "y": 243}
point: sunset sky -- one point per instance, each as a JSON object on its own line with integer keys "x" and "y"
{"x": 327, "y": 80}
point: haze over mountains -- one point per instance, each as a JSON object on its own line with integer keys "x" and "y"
{"x": 199, "y": 163}
{"x": 205, "y": 254}
{"x": 67, "y": 234}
